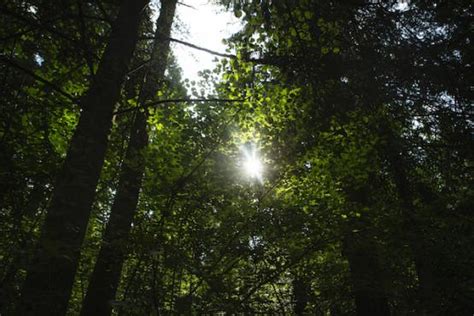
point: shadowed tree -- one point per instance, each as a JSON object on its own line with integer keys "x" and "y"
{"x": 106, "y": 276}
{"x": 50, "y": 276}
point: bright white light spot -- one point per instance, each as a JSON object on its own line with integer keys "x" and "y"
{"x": 253, "y": 167}
{"x": 32, "y": 9}
{"x": 252, "y": 164}
{"x": 402, "y": 5}
{"x": 39, "y": 60}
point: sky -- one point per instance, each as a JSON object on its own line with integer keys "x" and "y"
{"x": 203, "y": 24}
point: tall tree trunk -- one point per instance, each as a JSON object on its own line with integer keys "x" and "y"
{"x": 49, "y": 280}
{"x": 106, "y": 276}
{"x": 370, "y": 297}
{"x": 301, "y": 293}
{"x": 361, "y": 252}
{"x": 419, "y": 247}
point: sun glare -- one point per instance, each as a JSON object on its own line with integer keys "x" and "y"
{"x": 252, "y": 164}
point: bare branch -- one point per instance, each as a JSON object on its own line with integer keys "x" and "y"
{"x": 263, "y": 61}
{"x": 176, "y": 101}
{"x": 30, "y": 73}
{"x": 209, "y": 51}
{"x": 186, "y": 5}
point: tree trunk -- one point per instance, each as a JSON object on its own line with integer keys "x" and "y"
{"x": 106, "y": 276}
{"x": 419, "y": 247}
{"x": 370, "y": 297}
{"x": 301, "y": 292}
{"x": 49, "y": 280}
{"x": 360, "y": 250}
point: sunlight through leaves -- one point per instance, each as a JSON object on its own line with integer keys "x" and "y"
{"x": 252, "y": 164}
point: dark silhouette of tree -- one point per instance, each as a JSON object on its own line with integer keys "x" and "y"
{"x": 50, "y": 277}
{"x": 106, "y": 276}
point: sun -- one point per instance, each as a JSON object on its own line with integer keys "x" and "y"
{"x": 252, "y": 163}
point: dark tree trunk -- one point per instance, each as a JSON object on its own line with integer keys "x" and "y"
{"x": 421, "y": 252}
{"x": 49, "y": 280}
{"x": 106, "y": 276}
{"x": 301, "y": 293}
{"x": 8, "y": 291}
{"x": 360, "y": 249}
{"x": 419, "y": 247}
{"x": 370, "y": 296}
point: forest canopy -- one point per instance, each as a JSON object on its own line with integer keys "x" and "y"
{"x": 324, "y": 166}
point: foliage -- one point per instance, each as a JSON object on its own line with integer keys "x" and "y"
{"x": 362, "y": 116}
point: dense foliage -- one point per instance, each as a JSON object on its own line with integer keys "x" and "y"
{"x": 361, "y": 112}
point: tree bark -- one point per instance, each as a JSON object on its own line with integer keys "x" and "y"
{"x": 360, "y": 250}
{"x": 106, "y": 276}
{"x": 370, "y": 297}
{"x": 419, "y": 247}
{"x": 50, "y": 277}
{"x": 301, "y": 292}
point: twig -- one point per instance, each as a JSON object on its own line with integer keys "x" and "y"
{"x": 12, "y": 63}
{"x": 186, "y": 5}
{"x": 210, "y": 51}
{"x": 270, "y": 60}
{"x": 175, "y": 101}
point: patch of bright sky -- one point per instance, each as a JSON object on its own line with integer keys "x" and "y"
{"x": 32, "y": 9}
{"x": 402, "y": 5}
{"x": 39, "y": 60}
{"x": 204, "y": 24}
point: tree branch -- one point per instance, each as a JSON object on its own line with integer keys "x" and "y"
{"x": 176, "y": 101}
{"x": 263, "y": 61}
{"x": 209, "y": 51}
{"x": 30, "y": 73}
{"x": 186, "y": 5}
{"x": 34, "y": 25}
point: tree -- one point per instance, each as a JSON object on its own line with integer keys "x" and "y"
{"x": 67, "y": 216}
{"x": 345, "y": 59}
{"x": 358, "y": 111}
{"x": 105, "y": 278}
